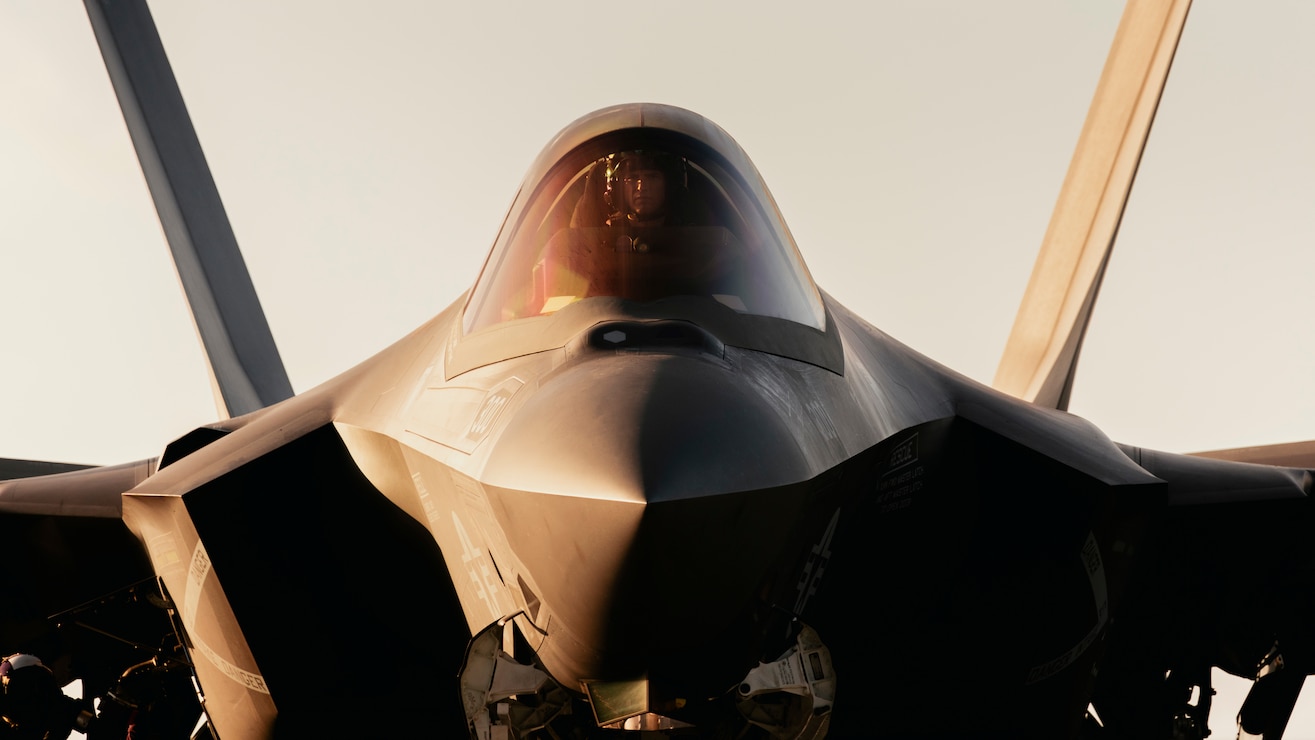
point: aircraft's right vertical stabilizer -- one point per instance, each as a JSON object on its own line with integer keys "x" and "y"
{"x": 1042, "y": 353}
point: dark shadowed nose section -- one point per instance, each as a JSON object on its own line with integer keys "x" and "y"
{"x": 661, "y": 503}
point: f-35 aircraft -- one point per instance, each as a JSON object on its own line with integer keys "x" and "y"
{"x": 647, "y": 476}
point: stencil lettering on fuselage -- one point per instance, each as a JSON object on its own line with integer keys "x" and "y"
{"x": 480, "y": 570}
{"x": 164, "y": 552}
{"x": 902, "y": 480}
{"x": 1095, "y": 570}
{"x": 904, "y": 453}
{"x": 198, "y": 571}
{"x": 814, "y": 569}
{"x": 426, "y": 502}
{"x": 494, "y": 403}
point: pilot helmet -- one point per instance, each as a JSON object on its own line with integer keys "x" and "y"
{"x": 11, "y": 666}
{"x": 621, "y": 164}
{"x": 30, "y": 691}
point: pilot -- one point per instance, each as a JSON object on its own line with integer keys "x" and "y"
{"x": 639, "y": 183}
{"x": 638, "y": 188}
{"x": 32, "y": 705}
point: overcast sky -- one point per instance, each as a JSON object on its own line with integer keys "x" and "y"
{"x": 366, "y": 156}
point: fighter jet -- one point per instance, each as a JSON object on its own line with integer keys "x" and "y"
{"x": 646, "y": 476}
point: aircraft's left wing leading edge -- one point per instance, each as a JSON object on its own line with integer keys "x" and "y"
{"x": 69, "y": 546}
{"x": 1042, "y": 351}
{"x": 245, "y": 366}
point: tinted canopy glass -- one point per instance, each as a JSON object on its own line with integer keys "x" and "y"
{"x": 644, "y": 215}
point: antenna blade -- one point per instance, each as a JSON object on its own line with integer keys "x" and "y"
{"x": 1042, "y": 352}
{"x": 245, "y": 368}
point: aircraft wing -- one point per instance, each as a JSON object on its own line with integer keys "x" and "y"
{"x": 71, "y": 552}
{"x": 1289, "y": 454}
{"x": 11, "y": 468}
{"x": 1224, "y": 578}
{"x": 67, "y": 547}
{"x": 1195, "y": 480}
{"x": 44, "y": 489}
{"x": 256, "y": 529}
{"x": 1041, "y": 355}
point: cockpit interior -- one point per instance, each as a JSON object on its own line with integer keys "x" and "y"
{"x": 643, "y": 215}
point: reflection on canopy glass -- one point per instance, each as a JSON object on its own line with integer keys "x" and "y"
{"x": 643, "y": 216}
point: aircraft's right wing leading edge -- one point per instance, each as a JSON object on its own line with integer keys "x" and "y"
{"x": 1043, "y": 346}
{"x": 244, "y": 362}
{"x": 1288, "y": 454}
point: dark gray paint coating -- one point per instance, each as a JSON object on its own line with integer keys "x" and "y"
{"x": 240, "y": 350}
{"x": 648, "y": 506}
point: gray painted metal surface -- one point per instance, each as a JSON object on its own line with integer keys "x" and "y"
{"x": 244, "y": 362}
{"x": 663, "y": 505}
{"x": 1041, "y": 356}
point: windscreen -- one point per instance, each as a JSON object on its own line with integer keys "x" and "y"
{"x": 644, "y": 215}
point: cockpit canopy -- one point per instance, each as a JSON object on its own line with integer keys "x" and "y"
{"x": 644, "y": 213}
{"x": 637, "y": 214}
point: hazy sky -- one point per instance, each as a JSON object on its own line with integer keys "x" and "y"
{"x": 367, "y": 155}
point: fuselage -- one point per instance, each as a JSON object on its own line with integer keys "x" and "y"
{"x": 656, "y": 452}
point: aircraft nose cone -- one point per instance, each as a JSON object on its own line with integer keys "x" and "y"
{"x": 652, "y": 498}
{"x": 648, "y": 428}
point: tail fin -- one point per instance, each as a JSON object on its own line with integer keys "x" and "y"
{"x": 245, "y": 368}
{"x": 1042, "y": 352}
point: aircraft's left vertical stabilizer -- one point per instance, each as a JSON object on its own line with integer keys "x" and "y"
{"x": 245, "y": 366}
